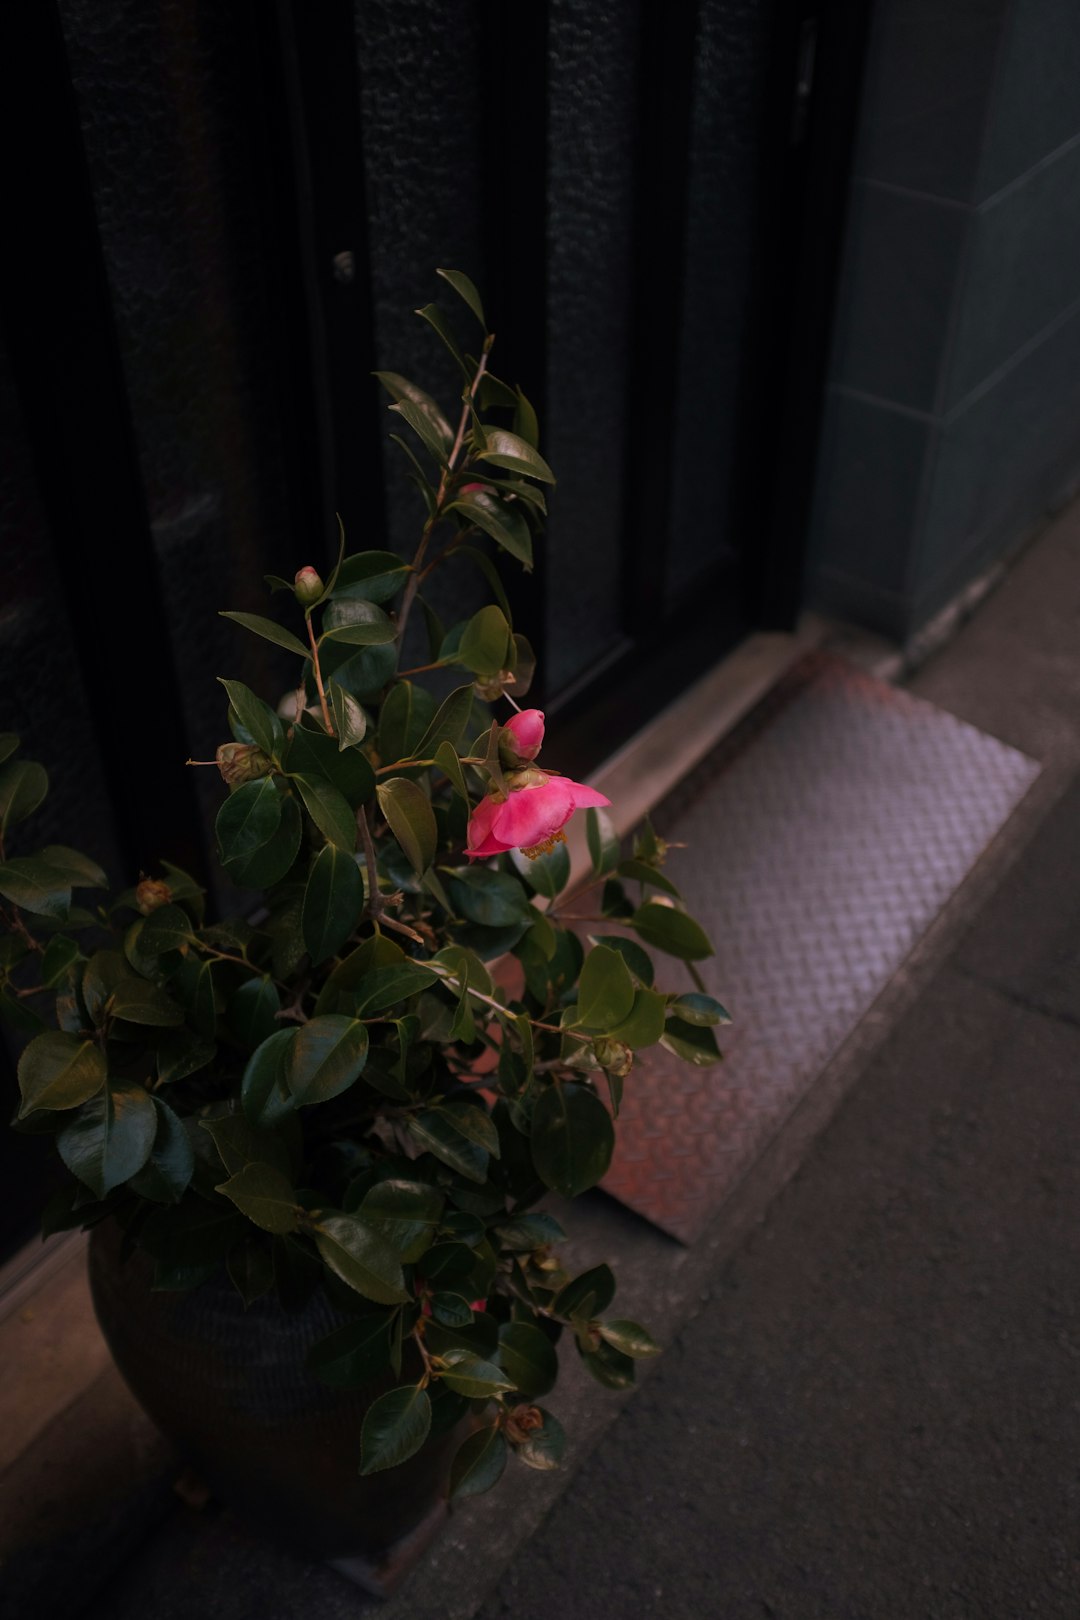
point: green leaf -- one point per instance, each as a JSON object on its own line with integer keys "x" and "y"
{"x": 385, "y": 987}
{"x": 74, "y": 867}
{"x": 572, "y": 1138}
{"x": 546, "y": 874}
{"x": 640, "y": 872}
{"x": 9, "y": 744}
{"x": 314, "y": 754}
{"x": 137, "y": 1001}
{"x": 484, "y": 645}
{"x": 450, "y": 723}
{"x": 402, "y": 390}
{"x": 629, "y": 1337}
{"x": 525, "y": 423}
{"x": 528, "y": 1358}
{"x": 545, "y": 1447}
{"x": 182, "y": 1054}
{"x": 638, "y": 961}
{"x": 605, "y": 990}
{"x": 471, "y": 1375}
{"x": 239, "y": 1143}
{"x": 258, "y": 833}
{"x": 478, "y": 1463}
{"x": 361, "y": 1258}
{"x": 448, "y": 762}
{"x": 269, "y": 631}
{"x": 31, "y": 883}
{"x": 357, "y": 623}
{"x": 609, "y": 1366}
{"x": 594, "y": 1288}
{"x": 23, "y": 785}
{"x": 452, "y": 1310}
{"x": 333, "y": 902}
{"x": 505, "y": 449}
{"x": 645, "y": 1024}
{"x": 329, "y": 810}
{"x": 167, "y": 929}
{"x": 395, "y": 1428}
{"x": 493, "y": 899}
{"x": 411, "y": 818}
{"x": 59, "y": 1071}
{"x": 264, "y": 1090}
{"x": 350, "y": 721}
{"x": 59, "y": 955}
{"x": 326, "y": 1058}
{"x": 437, "y": 320}
{"x": 374, "y": 575}
{"x": 353, "y": 1355}
{"x": 465, "y": 289}
{"x": 167, "y": 1174}
{"x": 527, "y": 1232}
{"x": 252, "y": 1011}
{"x": 421, "y": 424}
{"x": 265, "y": 1196}
{"x": 435, "y": 1132}
{"x": 700, "y": 1009}
{"x": 338, "y": 994}
{"x": 505, "y": 524}
{"x": 250, "y": 1265}
{"x": 110, "y": 1138}
{"x": 672, "y": 931}
{"x": 691, "y": 1042}
{"x": 472, "y": 1121}
{"x": 257, "y": 718}
{"x": 406, "y": 714}
{"x": 405, "y": 1212}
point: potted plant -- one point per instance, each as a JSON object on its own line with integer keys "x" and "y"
{"x": 312, "y": 1138}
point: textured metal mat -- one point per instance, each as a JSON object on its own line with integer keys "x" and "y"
{"x": 823, "y": 837}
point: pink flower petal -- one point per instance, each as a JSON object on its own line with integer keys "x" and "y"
{"x": 533, "y": 814}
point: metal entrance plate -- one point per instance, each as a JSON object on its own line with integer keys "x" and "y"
{"x": 823, "y": 837}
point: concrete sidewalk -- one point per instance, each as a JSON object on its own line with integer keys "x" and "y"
{"x": 871, "y": 1407}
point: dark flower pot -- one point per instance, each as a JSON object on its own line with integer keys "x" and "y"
{"x": 229, "y": 1387}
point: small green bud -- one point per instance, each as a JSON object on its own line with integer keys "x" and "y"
{"x": 308, "y": 586}
{"x": 613, "y": 1056}
{"x": 242, "y": 762}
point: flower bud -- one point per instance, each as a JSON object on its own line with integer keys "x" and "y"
{"x": 242, "y": 762}
{"x": 151, "y": 893}
{"x": 522, "y": 737}
{"x": 613, "y": 1056}
{"x": 308, "y": 586}
{"x": 521, "y": 1422}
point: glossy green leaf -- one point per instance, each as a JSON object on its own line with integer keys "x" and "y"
{"x": 314, "y": 754}
{"x": 166, "y": 1175}
{"x": 645, "y": 1023}
{"x": 350, "y": 721}
{"x": 545, "y": 874}
{"x": 353, "y": 1355}
{"x": 505, "y": 449}
{"x": 637, "y": 960}
{"x": 386, "y": 987}
{"x": 448, "y": 762}
{"x": 265, "y": 1196}
{"x": 375, "y": 575}
{"x": 29, "y": 882}
{"x": 473, "y": 1376}
{"x": 339, "y": 993}
{"x": 694, "y": 1043}
{"x": 23, "y": 785}
{"x": 326, "y": 1058}
{"x": 74, "y": 867}
{"x": 425, "y": 430}
{"x": 452, "y": 1310}
{"x": 110, "y": 1138}
{"x": 167, "y": 929}
{"x": 484, "y": 645}
{"x": 546, "y": 1446}
{"x": 629, "y": 1337}
{"x": 333, "y": 903}
{"x": 407, "y": 1214}
{"x": 59, "y": 955}
{"x": 395, "y": 1428}
{"x": 329, "y": 810}
{"x": 572, "y": 1138}
{"x": 258, "y": 832}
{"x": 493, "y": 899}
{"x": 594, "y": 1289}
{"x": 672, "y": 931}
{"x": 270, "y": 632}
{"x": 240, "y": 1143}
{"x": 610, "y": 1367}
{"x": 182, "y": 1054}
{"x": 528, "y": 1358}
{"x": 257, "y": 718}
{"x": 527, "y": 1232}
{"x": 58, "y": 1070}
{"x": 411, "y": 819}
{"x": 605, "y": 990}
{"x": 137, "y": 1001}
{"x": 525, "y": 424}
{"x": 465, "y": 290}
{"x": 505, "y": 524}
{"x": 603, "y": 842}
{"x": 357, "y": 623}
{"x": 478, "y": 1463}
{"x": 406, "y": 714}
{"x": 437, "y": 320}
{"x": 635, "y": 871}
{"x": 433, "y": 1131}
{"x": 450, "y": 723}
{"x": 252, "y": 1011}
{"x": 402, "y": 390}
{"x": 700, "y": 1009}
{"x": 362, "y": 1258}
{"x": 264, "y": 1090}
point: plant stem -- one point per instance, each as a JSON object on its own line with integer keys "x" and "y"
{"x": 454, "y": 982}
{"x": 318, "y": 673}
{"x": 445, "y": 482}
{"x": 375, "y": 903}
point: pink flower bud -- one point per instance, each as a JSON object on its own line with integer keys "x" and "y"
{"x": 308, "y": 586}
{"x": 522, "y": 737}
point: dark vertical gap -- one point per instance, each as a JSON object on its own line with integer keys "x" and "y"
{"x": 805, "y": 144}
{"x": 514, "y": 99}
{"x": 320, "y": 75}
{"x": 66, "y": 360}
{"x": 662, "y": 166}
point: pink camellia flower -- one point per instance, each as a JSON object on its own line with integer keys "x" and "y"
{"x": 531, "y": 818}
{"x": 522, "y": 737}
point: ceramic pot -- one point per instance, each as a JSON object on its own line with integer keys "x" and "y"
{"x": 229, "y": 1387}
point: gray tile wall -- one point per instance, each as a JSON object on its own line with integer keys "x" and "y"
{"x": 953, "y": 418}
